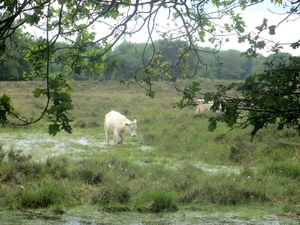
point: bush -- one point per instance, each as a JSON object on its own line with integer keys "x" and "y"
{"x": 2, "y": 153}
{"x": 48, "y": 194}
{"x": 87, "y": 171}
{"x": 112, "y": 193}
{"x": 163, "y": 201}
{"x": 57, "y": 167}
{"x": 17, "y": 157}
{"x": 88, "y": 177}
{"x": 228, "y": 193}
{"x": 19, "y": 168}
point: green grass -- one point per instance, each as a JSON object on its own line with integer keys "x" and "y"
{"x": 49, "y": 193}
{"x": 173, "y": 163}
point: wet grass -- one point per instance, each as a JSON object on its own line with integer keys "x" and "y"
{"x": 174, "y": 162}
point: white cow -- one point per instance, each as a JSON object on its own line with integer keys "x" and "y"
{"x": 119, "y": 125}
{"x": 202, "y": 106}
{"x": 200, "y": 101}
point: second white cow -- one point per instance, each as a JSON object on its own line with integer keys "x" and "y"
{"x": 119, "y": 125}
{"x": 202, "y": 107}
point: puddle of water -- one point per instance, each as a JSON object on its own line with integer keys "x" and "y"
{"x": 65, "y": 144}
{"x": 62, "y": 144}
{"x": 78, "y": 217}
{"x": 83, "y": 141}
{"x": 145, "y": 148}
{"x": 49, "y": 146}
{"x": 218, "y": 168}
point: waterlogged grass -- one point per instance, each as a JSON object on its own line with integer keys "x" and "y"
{"x": 114, "y": 184}
{"x": 173, "y": 164}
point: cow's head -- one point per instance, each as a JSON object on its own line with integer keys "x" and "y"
{"x": 200, "y": 101}
{"x": 131, "y": 128}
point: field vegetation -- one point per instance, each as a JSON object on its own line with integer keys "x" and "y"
{"x": 181, "y": 165}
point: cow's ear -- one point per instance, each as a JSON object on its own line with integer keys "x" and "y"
{"x": 134, "y": 121}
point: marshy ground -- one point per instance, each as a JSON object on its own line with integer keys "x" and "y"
{"x": 173, "y": 172}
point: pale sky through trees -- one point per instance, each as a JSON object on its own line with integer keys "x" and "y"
{"x": 287, "y": 32}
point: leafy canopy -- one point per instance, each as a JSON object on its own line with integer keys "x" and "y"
{"x": 271, "y": 97}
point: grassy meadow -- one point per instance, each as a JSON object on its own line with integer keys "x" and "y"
{"x": 174, "y": 162}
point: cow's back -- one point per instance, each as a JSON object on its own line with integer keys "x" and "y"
{"x": 114, "y": 119}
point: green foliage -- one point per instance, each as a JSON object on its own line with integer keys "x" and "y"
{"x": 58, "y": 167}
{"x": 19, "y": 167}
{"x": 17, "y": 157}
{"x": 12, "y": 62}
{"x": 228, "y": 65}
{"x": 49, "y": 193}
{"x": 128, "y": 58}
{"x": 163, "y": 201}
{"x": 2, "y": 154}
{"x": 189, "y": 93}
{"x": 90, "y": 174}
{"x": 270, "y": 97}
{"x": 62, "y": 103}
{"x": 5, "y": 108}
{"x": 38, "y": 92}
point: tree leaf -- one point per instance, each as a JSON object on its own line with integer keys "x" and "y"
{"x": 114, "y": 14}
{"x": 38, "y": 92}
{"x": 272, "y": 30}
{"x": 53, "y": 129}
{"x": 295, "y": 45}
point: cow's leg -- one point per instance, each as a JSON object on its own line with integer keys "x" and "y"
{"x": 107, "y": 136}
{"x": 116, "y": 138}
{"x": 120, "y": 140}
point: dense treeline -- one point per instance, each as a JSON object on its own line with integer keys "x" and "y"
{"x": 227, "y": 65}
{"x": 128, "y": 58}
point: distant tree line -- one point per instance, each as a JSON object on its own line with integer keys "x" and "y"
{"x": 128, "y": 58}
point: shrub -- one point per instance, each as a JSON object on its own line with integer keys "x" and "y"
{"x": 80, "y": 124}
{"x": 112, "y": 193}
{"x": 19, "y": 168}
{"x": 2, "y": 153}
{"x": 122, "y": 193}
{"x": 191, "y": 195}
{"x": 17, "y": 157}
{"x": 163, "y": 201}
{"x": 48, "y": 194}
{"x": 87, "y": 171}
{"x": 57, "y": 167}
{"x": 88, "y": 177}
{"x": 227, "y": 193}
{"x": 187, "y": 177}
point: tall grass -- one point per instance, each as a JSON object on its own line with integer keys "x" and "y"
{"x": 44, "y": 195}
{"x": 165, "y": 178}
